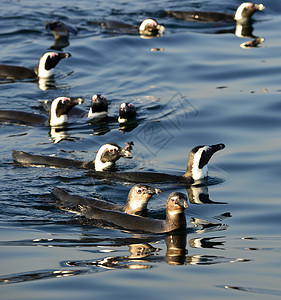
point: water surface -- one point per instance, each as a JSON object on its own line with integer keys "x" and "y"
{"x": 202, "y": 88}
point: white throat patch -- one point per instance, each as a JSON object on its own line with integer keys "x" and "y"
{"x": 99, "y": 165}
{"x": 54, "y": 120}
{"x": 238, "y": 14}
{"x": 198, "y": 173}
{"x": 96, "y": 115}
{"x": 42, "y": 72}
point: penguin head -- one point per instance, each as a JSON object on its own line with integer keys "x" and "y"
{"x": 47, "y": 63}
{"x": 150, "y": 27}
{"x": 60, "y": 107}
{"x": 197, "y": 166}
{"x": 108, "y": 154}
{"x": 99, "y": 107}
{"x": 138, "y": 198}
{"x": 176, "y": 202}
{"x": 127, "y": 112}
{"x": 246, "y": 9}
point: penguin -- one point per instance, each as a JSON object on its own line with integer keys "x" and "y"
{"x": 127, "y": 113}
{"x": 60, "y": 108}
{"x": 243, "y": 14}
{"x": 136, "y": 204}
{"x": 99, "y": 107}
{"x": 175, "y": 217}
{"x": 44, "y": 69}
{"x": 148, "y": 27}
{"x": 106, "y": 156}
{"x": 197, "y": 169}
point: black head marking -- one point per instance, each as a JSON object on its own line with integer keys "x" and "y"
{"x": 113, "y": 153}
{"x": 208, "y": 153}
{"x": 99, "y": 104}
{"x": 65, "y": 104}
{"x": 54, "y": 58}
{"x": 127, "y": 111}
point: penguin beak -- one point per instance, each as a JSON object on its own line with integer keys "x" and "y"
{"x": 125, "y": 153}
{"x": 259, "y": 7}
{"x": 77, "y": 100}
{"x": 64, "y": 55}
{"x": 160, "y": 29}
{"x": 181, "y": 202}
{"x": 153, "y": 191}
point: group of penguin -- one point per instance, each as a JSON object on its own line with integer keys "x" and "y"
{"x": 133, "y": 216}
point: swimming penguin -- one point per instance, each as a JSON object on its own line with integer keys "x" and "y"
{"x": 149, "y": 27}
{"x": 106, "y": 156}
{"x": 175, "y": 217}
{"x": 127, "y": 113}
{"x": 60, "y": 108}
{"x": 44, "y": 69}
{"x": 99, "y": 107}
{"x": 197, "y": 169}
{"x": 243, "y": 14}
{"x": 137, "y": 200}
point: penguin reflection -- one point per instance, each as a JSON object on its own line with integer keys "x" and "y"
{"x": 61, "y": 33}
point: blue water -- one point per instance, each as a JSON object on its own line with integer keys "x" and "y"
{"x": 202, "y": 88}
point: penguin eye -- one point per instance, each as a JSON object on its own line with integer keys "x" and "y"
{"x": 139, "y": 191}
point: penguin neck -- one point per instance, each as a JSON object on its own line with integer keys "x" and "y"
{"x": 193, "y": 169}
{"x": 54, "y": 119}
{"x": 99, "y": 165}
{"x": 41, "y": 70}
{"x": 96, "y": 115}
{"x": 135, "y": 206}
{"x": 175, "y": 220}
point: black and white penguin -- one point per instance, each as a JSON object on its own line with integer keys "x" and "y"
{"x": 148, "y": 27}
{"x": 106, "y": 156}
{"x": 99, "y": 107}
{"x": 127, "y": 113}
{"x": 197, "y": 169}
{"x": 44, "y": 69}
{"x": 175, "y": 217}
{"x": 136, "y": 203}
{"x": 242, "y": 15}
{"x": 60, "y": 108}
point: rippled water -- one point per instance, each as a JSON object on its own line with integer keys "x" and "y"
{"x": 202, "y": 88}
